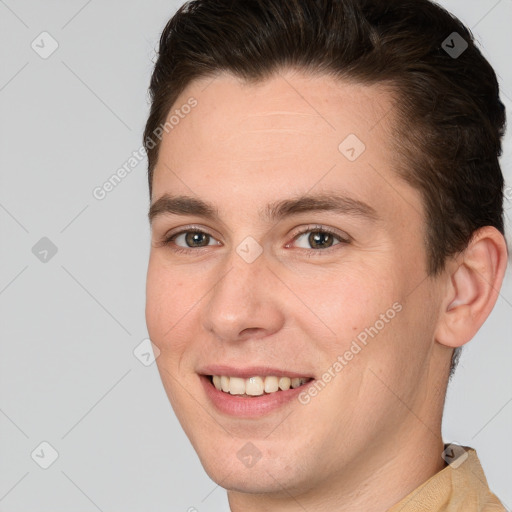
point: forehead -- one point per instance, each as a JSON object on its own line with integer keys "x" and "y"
{"x": 293, "y": 132}
{"x": 232, "y": 114}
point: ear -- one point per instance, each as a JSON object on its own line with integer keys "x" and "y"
{"x": 474, "y": 280}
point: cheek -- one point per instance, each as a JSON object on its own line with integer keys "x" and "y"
{"x": 348, "y": 301}
{"x": 167, "y": 301}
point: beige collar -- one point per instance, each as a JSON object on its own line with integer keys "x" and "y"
{"x": 460, "y": 487}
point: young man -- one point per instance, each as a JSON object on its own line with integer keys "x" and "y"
{"x": 327, "y": 232}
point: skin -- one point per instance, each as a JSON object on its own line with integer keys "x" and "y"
{"x": 373, "y": 434}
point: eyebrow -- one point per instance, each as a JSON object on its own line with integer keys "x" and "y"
{"x": 188, "y": 205}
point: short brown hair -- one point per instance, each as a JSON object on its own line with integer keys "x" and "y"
{"x": 451, "y": 116}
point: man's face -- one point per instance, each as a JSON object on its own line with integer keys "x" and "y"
{"x": 336, "y": 295}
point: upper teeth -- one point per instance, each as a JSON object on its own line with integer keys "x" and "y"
{"x": 256, "y": 386}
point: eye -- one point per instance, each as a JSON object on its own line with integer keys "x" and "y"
{"x": 194, "y": 238}
{"x": 189, "y": 240}
{"x": 319, "y": 238}
{"x": 315, "y": 237}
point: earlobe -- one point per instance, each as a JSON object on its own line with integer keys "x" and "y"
{"x": 475, "y": 278}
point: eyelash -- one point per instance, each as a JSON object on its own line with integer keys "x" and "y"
{"x": 168, "y": 241}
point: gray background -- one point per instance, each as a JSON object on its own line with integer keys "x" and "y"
{"x": 69, "y": 325}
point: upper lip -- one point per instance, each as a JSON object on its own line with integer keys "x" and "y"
{"x": 249, "y": 371}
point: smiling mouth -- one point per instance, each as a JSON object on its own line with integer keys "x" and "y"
{"x": 256, "y": 386}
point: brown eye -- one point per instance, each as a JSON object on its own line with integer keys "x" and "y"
{"x": 192, "y": 239}
{"x": 196, "y": 239}
{"x": 318, "y": 239}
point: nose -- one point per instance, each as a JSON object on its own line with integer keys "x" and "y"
{"x": 245, "y": 302}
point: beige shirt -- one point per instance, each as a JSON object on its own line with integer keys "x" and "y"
{"x": 460, "y": 487}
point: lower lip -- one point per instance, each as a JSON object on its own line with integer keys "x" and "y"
{"x": 245, "y": 407}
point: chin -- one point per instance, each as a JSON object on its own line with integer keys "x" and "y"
{"x": 239, "y": 466}
{"x": 267, "y": 478}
